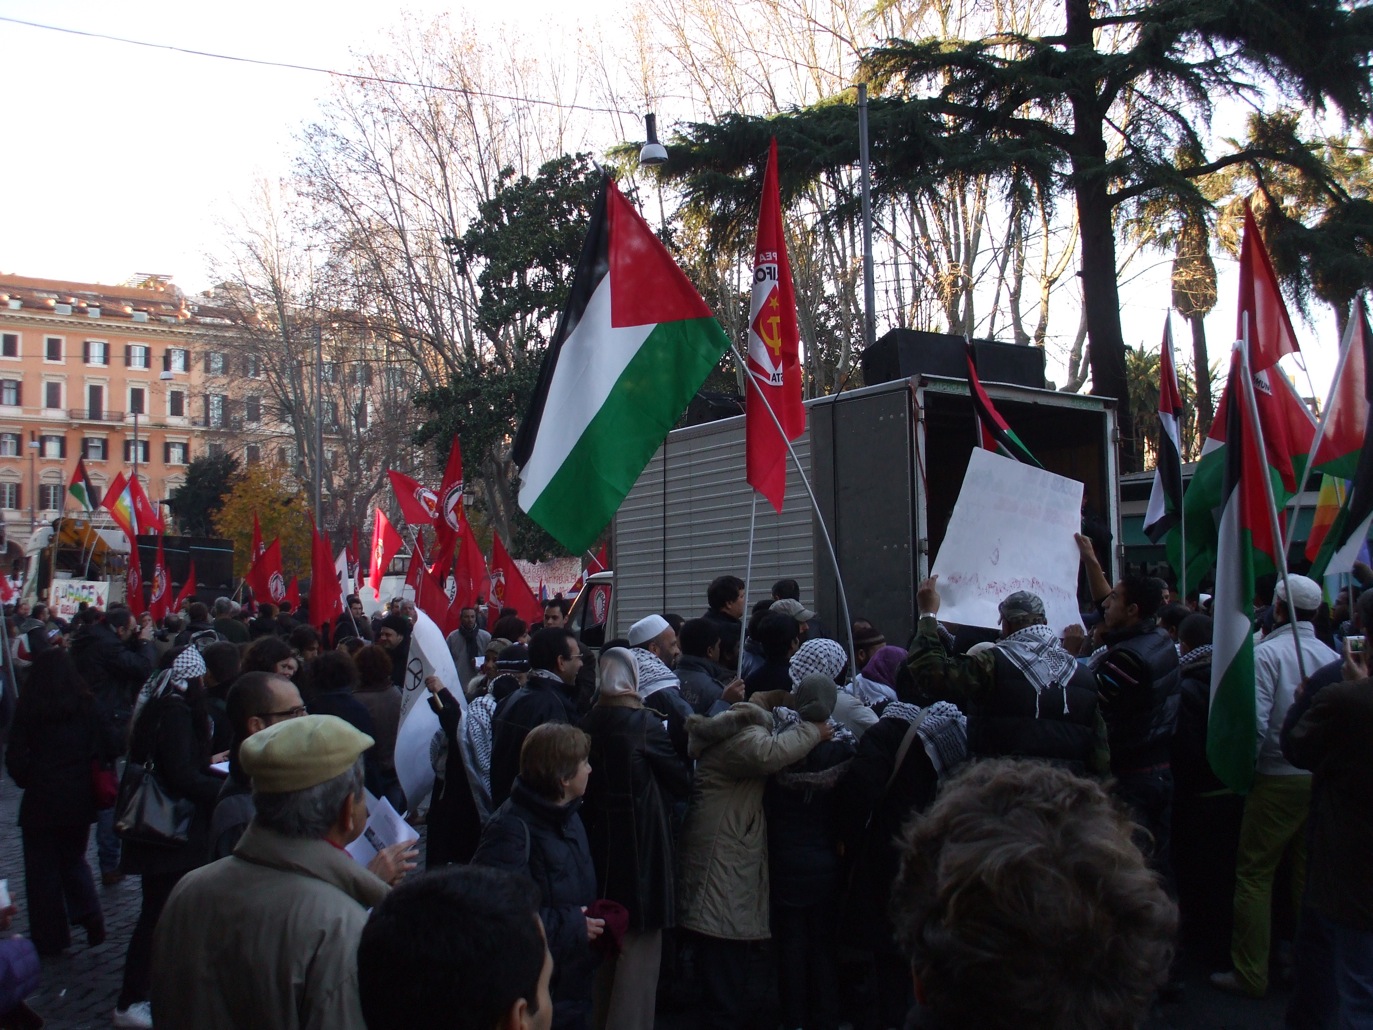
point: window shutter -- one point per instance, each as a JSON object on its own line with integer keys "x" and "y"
{"x": 128, "y": 355}
{"x": 167, "y": 360}
{"x": 166, "y": 453}
{"x": 86, "y": 352}
{"x": 19, "y": 391}
{"x": 62, "y": 446}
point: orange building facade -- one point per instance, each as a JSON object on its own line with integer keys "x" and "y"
{"x": 104, "y": 373}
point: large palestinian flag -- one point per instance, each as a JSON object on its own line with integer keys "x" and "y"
{"x": 635, "y": 343}
{"x": 1165, "y": 498}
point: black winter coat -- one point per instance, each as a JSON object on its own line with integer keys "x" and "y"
{"x": 1138, "y": 682}
{"x": 635, "y": 775}
{"x": 803, "y": 825}
{"x": 114, "y": 670}
{"x": 531, "y": 835}
{"x": 540, "y": 700}
{"x": 51, "y": 761}
{"x": 703, "y": 682}
{"x": 870, "y": 820}
{"x": 177, "y": 739}
{"x": 1192, "y": 772}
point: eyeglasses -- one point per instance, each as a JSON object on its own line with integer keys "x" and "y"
{"x": 290, "y": 713}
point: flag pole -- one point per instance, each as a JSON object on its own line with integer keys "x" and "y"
{"x": 815, "y": 505}
{"x": 748, "y": 579}
{"x": 1281, "y": 560}
{"x": 1345, "y": 343}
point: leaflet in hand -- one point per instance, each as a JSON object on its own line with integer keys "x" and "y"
{"x": 384, "y": 828}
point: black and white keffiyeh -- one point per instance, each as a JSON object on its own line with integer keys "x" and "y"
{"x": 1037, "y": 652}
{"x": 943, "y": 733}
{"x": 827, "y": 657}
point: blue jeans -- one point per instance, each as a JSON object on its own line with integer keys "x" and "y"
{"x": 1334, "y": 977}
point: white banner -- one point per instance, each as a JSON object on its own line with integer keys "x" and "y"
{"x": 1012, "y": 529}
{"x": 67, "y": 595}
{"x": 428, "y": 656}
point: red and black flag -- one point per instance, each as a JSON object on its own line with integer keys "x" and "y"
{"x": 992, "y": 431}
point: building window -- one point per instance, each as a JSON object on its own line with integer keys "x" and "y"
{"x": 52, "y": 348}
{"x": 328, "y": 371}
{"x": 331, "y": 414}
{"x": 215, "y": 450}
{"x": 50, "y": 496}
{"x": 95, "y": 352}
{"x": 252, "y": 454}
{"x": 252, "y": 409}
{"x": 9, "y": 445}
{"x": 9, "y": 496}
{"x": 137, "y": 400}
{"x": 176, "y": 453}
{"x": 176, "y": 403}
{"x": 10, "y": 392}
{"x": 142, "y": 451}
{"x": 9, "y": 345}
{"x": 214, "y": 363}
{"x": 175, "y": 359}
{"x": 94, "y": 448}
{"x": 51, "y": 446}
{"x": 138, "y": 355}
{"x": 214, "y": 409}
{"x": 52, "y": 395}
{"x": 252, "y": 366}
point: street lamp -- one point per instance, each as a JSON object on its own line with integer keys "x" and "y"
{"x": 33, "y": 482}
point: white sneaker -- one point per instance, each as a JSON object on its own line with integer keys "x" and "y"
{"x": 138, "y": 1016}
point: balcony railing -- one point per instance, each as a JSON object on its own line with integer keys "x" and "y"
{"x": 95, "y": 415}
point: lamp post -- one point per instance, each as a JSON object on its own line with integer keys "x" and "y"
{"x": 33, "y": 481}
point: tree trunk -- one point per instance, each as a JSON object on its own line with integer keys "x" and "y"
{"x": 1201, "y": 365}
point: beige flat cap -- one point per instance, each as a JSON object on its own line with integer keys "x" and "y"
{"x": 301, "y": 753}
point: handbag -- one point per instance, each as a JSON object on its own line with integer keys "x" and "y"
{"x": 104, "y": 784}
{"x": 147, "y": 813}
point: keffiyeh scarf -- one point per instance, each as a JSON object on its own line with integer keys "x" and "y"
{"x": 188, "y": 665}
{"x": 1037, "y": 652}
{"x": 822, "y": 656}
{"x": 653, "y": 674}
{"x": 943, "y": 733}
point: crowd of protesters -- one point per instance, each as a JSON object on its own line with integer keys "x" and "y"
{"x": 1018, "y": 828}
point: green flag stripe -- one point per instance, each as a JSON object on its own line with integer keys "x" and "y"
{"x": 644, "y": 405}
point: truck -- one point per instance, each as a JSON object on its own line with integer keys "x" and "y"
{"x": 886, "y": 463}
{"x": 76, "y": 558}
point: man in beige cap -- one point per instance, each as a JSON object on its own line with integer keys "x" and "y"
{"x": 1276, "y": 807}
{"x": 267, "y": 937}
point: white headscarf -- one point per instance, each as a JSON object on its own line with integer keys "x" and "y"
{"x": 619, "y": 674}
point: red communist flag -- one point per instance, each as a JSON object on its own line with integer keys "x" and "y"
{"x": 386, "y": 544}
{"x": 471, "y": 570}
{"x": 264, "y": 576}
{"x": 326, "y": 600}
{"x": 508, "y": 586}
{"x": 187, "y": 589}
{"x": 774, "y": 348}
{"x": 418, "y": 504}
{"x": 293, "y": 594}
{"x": 159, "y": 604}
{"x": 148, "y": 519}
{"x": 133, "y": 583}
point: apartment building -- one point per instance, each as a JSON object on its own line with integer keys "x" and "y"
{"x": 111, "y": 374}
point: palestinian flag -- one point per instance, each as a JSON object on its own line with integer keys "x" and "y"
{"x": 80, "y": 487}
{"x": 1345, "y": 451}
{"x": 1287, "y": 425}
{"x": 1165, "y": 499}
{"x": 634, "y": 344}
{"x": 1247, "y": 544}
{"x": 992, "y": 431}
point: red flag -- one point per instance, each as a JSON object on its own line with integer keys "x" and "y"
{"x": 471, "y": 577}
{"x": 147, "y": 517}
{"x": 187, "y": 589}
{"x": 119, "y": 503}
{"x": 8, "y": 591}
{"x": 417, "y": 567}
{"x": 264, "y": 576}
{"x": 774, "y": 347}
{"x": 162, "y": 586}
{"x": 1346, "y": 409}
{"x": 418, "y": 504}
{"x": 508, "y": 586}
{"x": 326, "y": 601}
{"x": 430, "y": 599}
{"x": 451, "y": 512}
{"x": 293, "y": 595}
{"x": 257, "y": 550}
{"x": 386, "y": 544}
{"x": 133, "y": 583}
{"x": 355, "y": 563}
{"x": 1288, "y": 427}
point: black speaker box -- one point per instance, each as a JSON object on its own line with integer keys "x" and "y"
{"x": 902, "y": 353}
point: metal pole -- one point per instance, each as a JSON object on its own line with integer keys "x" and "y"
{"x": 748, "y": 580}
{"x": 319, "y": 426}
{"x": 869, "y": 291}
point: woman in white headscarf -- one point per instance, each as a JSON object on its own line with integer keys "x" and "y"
{"x": 635, "y": 778}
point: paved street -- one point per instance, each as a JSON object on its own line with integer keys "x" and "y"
{"x": 79, "y": 989}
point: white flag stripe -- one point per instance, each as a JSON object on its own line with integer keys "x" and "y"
{"x": 590, "y": 363}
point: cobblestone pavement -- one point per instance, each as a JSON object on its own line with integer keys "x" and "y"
{"x": 79, "y": 988}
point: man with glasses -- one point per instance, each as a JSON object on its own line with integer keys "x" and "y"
{"x": 549, "y": 695}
